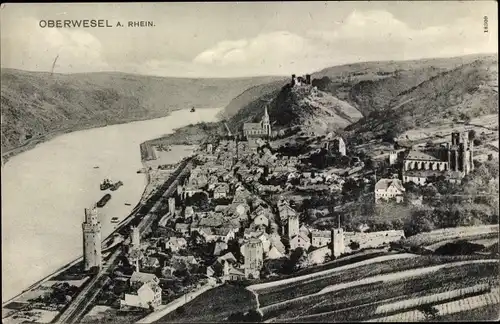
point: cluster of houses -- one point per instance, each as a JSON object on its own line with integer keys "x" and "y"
{"x": 232, "y": 177}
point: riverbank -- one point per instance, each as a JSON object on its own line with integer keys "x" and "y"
{"x": 41, "y": 229}
{"x": 150, "y": 187}
{"x": 33, "y": 142}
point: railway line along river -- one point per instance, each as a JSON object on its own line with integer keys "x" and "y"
{"x": 45, "y": 190}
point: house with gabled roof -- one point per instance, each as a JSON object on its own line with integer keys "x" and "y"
{"x": 300, "y": 241}
{"x": 285, "y": 211}
{"x": 386, "y": 189}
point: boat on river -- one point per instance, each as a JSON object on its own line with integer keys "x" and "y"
{"x": 193, "y": 110}
{"x": 104, "y": 200}
{"x": 115, "y": 220}
{"x": 106, "y": 184}
{"x": 116, "y": 186}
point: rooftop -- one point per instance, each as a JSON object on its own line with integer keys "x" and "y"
{"x": 419, "y": 155}
{"x": 384, "y": 184}
{"x": 252, "y": 126}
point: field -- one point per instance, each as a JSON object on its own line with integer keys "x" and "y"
{"x": 306, "y": 287}
{"x": 364, "y": 302}
{"x": 213, "y": 306}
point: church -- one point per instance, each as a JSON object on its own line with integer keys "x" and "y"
{"x": 452, "y": 161}
{"x": 262, "y": 129}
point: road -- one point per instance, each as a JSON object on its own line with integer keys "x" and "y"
{"x": 80, "y": 304}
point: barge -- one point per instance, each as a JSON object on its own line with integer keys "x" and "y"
{"x": 116, "y": 185}
{"x": 104, "y": 200}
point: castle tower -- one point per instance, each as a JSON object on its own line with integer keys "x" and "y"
{"x": 308, "y": 79}
{"x": 293, "y": 226}
{"x": 91, "y": 239}
{"x": 254, "y": 254}
{"x": 293, "y": 79}
{"x": 135, "y": 237}
{"x": 337, "y": 241}
{"x": 171, "y": 205}
{"x": 266, "y": 125}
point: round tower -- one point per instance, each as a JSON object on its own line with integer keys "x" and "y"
{"x": 91, "y": 228}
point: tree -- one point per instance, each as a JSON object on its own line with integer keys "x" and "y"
{"x": 354, "y": 245}
{"x": 421, "y": 221}
{"x": 296, "y": 257}
{"x": 472, "y": 134}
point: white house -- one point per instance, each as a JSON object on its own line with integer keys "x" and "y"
{"x": 386, "y": 189}
{"x": 300, "y": 241}
{"x": 175, "y": 244}
{"x": 261, "y": 220}
{"x": 146, "y": 291}
{"x": 321, "y": 238}
{"x": 148, "y": 295}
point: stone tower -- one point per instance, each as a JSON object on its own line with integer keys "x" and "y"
{"x": 337, "y": 241}
{"x": 171, "y": 205}
{"x": 461, "y": 153}
{"x": 135, "y": 237}
{"x": 266, "y": 125}
{"x": 91, "y": 239}
{"x": 393, "y": 157}
{"x": 293, "y": 226}
{"x": 254, "y": 258}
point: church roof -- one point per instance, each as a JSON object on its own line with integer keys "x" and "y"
{"x": 252, "y": 126}
{"x": 419, "y": 155}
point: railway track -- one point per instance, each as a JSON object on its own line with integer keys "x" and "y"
{"x": 146, "y": 214}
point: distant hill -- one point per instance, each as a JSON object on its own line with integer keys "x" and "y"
{"x": 367, "y": 86}
{"x": 312, "y": 109}
{"x": 38, "y": 105}
{"x": 249, "y": 95}
{"x": 467, "y": 91}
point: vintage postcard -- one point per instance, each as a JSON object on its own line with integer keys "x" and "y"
{"x": 250, "y": 162}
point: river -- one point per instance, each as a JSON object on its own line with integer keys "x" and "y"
{"x": 45, "y": 191}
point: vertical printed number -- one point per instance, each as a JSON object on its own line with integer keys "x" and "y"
{"x": 485, "y": 24}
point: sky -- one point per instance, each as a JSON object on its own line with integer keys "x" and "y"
{"x": 238, "y": 39}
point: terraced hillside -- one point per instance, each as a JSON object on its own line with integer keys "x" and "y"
{"x": 378, "y": 290}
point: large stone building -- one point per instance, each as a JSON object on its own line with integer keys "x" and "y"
{"x": 91, "y": 239}
{"x": 253, "y": 252}
{"x": 451, "y": 161}
{"x": 262, "y": 129}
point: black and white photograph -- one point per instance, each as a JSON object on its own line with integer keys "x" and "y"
{"x": 272, "y": 161}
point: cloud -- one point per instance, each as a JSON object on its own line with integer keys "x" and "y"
{"x": 377, "y": 34}
{"x": 360, "y": 36}
{"x": 31, "y": 47}
{"x": 272, "y": 51}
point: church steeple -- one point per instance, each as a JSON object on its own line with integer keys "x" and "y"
{"x": 265, "y": 122}
{"x": 266, "y": 115}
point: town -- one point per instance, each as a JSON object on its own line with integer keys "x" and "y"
{"x": 261, "y": 205}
